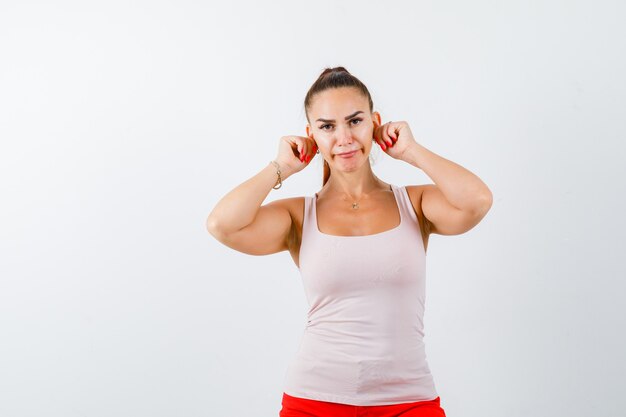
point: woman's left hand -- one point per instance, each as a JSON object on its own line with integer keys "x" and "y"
{"x": 395, "y": 138}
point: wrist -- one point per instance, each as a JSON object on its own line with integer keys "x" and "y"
{"x": 285, "y": 170}
{"x": 413, "y": 155}
{"x": 281, "y": 171}
{"x": 275, "y": 167}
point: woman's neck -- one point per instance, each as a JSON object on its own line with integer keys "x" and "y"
{"x": 353, "y": 185}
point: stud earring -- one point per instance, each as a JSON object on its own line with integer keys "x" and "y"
{"x": 318, "y": 151}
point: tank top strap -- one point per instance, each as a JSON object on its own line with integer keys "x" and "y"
{"x": 404, "y": 202}
{"x": 308, "y": 222}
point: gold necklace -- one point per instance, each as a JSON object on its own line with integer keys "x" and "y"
{"x": 355, "y": 205}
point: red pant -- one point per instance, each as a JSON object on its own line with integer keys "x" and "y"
{"x": 304, "y": 407}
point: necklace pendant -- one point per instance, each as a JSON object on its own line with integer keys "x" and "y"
{"x": 355, "y": 205}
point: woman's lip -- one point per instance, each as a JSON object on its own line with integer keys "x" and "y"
{"x": 346, "y": 155}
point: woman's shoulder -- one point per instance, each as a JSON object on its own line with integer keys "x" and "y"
{"x": 290, "y": 202}
{"x": 295, "y": 206}
{"x": 415, "y": 192}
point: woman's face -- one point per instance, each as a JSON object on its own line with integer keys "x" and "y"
{"x": 341, "y": 122}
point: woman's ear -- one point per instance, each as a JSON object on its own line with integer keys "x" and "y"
{"x": 376, "y": 118}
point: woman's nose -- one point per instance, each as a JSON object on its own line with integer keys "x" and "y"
{"x": 344, "y": 136}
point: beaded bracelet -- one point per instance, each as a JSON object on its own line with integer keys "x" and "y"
{"x": 279, "y": 181}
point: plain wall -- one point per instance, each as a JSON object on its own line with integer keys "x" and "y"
{"x": 122, "y": 124}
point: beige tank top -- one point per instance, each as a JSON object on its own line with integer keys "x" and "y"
{"x": 363, "y": 340}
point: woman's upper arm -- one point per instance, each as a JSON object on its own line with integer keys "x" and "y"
{"x": 268, "y": 233}
{"x": 442, "y": 217}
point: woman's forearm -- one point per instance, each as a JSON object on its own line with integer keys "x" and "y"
{"x": 238, "y": 208}
{"x": 462, "y": 188}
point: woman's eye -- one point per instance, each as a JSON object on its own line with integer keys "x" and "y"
{"x": 323, "y": 127}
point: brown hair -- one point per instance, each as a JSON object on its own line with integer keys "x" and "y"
{"x": 334, "y": 78}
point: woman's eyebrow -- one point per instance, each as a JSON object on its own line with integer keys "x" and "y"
{"x": 346, "y": 118}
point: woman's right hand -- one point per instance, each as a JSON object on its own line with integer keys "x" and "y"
{"x": 295, "y": 153}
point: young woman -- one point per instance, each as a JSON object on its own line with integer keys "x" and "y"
{"x": 360, "y": 246}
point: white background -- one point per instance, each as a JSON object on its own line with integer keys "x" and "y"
{"x": 123, "y": 123}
